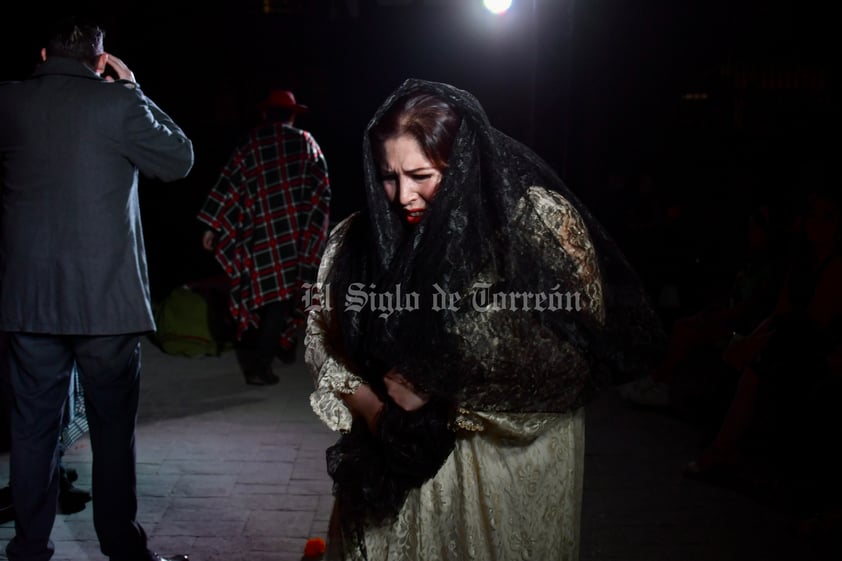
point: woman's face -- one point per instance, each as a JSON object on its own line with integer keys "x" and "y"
{"x": 409, "y": 178}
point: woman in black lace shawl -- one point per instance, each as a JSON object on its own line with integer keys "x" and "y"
{"x": 467, "y": 316}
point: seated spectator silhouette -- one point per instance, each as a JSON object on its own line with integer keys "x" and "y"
{"x": 788, "y": 364}
{"x": 749, "y": 300}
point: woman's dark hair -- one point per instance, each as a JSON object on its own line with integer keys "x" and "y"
{"x": 76, "y": 38}
{"x": 430, "y": 120}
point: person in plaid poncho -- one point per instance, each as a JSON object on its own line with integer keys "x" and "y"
{"x": 267, "y": 218}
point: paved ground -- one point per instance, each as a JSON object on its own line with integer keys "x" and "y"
{"x": 233, "y": 472}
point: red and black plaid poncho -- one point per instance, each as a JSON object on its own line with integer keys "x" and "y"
{"x": 270, "y": 208}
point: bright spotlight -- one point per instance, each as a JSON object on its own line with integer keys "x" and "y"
{"x": 497, "y": 6}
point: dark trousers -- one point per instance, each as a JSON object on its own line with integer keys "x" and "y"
{"x": 258, "y": 347}
{"x": 109, "y": 370}
{"x": 5, "y": 395}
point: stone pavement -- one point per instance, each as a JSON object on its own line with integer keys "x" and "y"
{"x": 233, "y": 472}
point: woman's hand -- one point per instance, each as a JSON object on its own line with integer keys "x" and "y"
{"x": 364, "y": 404}
{"x": 403, "y": 393}
{"x": 209, "y": 240}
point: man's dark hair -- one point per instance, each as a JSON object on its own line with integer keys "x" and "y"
{"x": 76, "y": 38}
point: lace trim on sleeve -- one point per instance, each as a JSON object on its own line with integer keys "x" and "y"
{"x": 330, "y": 376}
{"x": 325, "y": 402}
{"x": 561, "y": 217}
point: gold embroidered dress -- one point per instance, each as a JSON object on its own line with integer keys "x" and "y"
{"x": 511, "y": 489}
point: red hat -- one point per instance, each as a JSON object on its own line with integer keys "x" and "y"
{"x": 283, "y": 99}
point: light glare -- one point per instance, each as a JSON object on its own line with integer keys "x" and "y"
{"x": 497, "y": 6}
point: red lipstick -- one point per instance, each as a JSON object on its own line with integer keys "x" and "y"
{"x": 414, "y": 215}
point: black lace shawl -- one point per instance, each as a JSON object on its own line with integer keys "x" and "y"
{"x": 481, "y": 226}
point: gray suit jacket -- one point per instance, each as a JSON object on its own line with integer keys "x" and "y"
{"x": 72, "y": 259}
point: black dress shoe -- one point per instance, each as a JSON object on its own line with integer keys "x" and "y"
{"x": 255, "y": 380}
{"x": 71, "y": 499}
{"x": 69, "y": 473}
{"x": 182, "y": 557}
{"x": 289, "y": 355}
{"x": 262, "y": 378}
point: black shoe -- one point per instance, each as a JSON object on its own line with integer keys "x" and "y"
{"x": 69, "y": 473}
{"x": 289, "y": 355}
{"x": 264, "y": 378}
{"x": 7, "y": 509}
{"x": 71, "y": 499}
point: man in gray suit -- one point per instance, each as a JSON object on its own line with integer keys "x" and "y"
{"x": 73, "y": 275}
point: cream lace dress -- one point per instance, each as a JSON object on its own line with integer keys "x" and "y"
{"x": 512, "y": 487}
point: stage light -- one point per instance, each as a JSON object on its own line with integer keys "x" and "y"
{"x": 497, "y": 6}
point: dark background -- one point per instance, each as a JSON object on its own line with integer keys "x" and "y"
{"x": 722, "y": 105}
